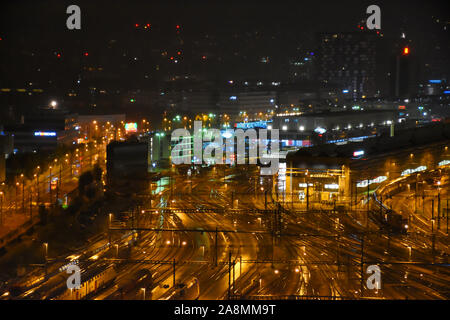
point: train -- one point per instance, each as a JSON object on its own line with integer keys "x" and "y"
{"x": 388, "y": 219}
{"x": 186, "y": 291}
{"x": 92, "y": 281}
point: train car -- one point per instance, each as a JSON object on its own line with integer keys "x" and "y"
{"x": 186, "y": 291}
{"x": 91, "y": 282}
{"x": 45, "y": 291}
{"x": 388, "y": 219}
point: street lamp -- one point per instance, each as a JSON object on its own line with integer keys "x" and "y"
{"x": 17, "y": 192}
{"x": 1, "y": 208}
{"x": 45, "y": 250}
{"x": 23, "y": 193}
{"x": 50, "y": 184}
{"x": 37, "y": 183}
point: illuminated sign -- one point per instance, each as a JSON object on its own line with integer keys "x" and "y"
{"x": 358, "y": 153}
{"x": 332, "y": 186}
{"x": 227, "y": 134}
{"x": 301, "y": 195}
{"x": 434, "y": 81}
{"x": 131, "y": 127}
{"x": 45, "y": 134}
{"x": 304, "y": 185}
{"x": 295, "y": 143}
{"x": 401, "y": 107}
{"x": 365, "y": 183}
{"x": 251, "y": 125}
{"x": 443, "y": 163}
{"x": 409, "y": 171}
{"x": 320, "y": 130}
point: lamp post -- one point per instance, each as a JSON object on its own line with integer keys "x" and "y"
{"x": 110, "y": 216}
{"x": 57, "y": 183}
{"x": 17, "y": 193}
{"x": 50, "y": 184}
{"x": 439, "y": 209}
{"x": 37, "y": 184}
{"x": 23, "y": 193}
{"x": 45, "y": 257}
{"x": 1, "y": 208}
{"x": 45, "y": 250}
{"x": 31, "y": 204}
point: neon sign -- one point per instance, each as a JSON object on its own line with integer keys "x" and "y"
{"x": 358, "y": 153}
{"x": 251, "y": 125}
{"x": 45, "y": 134}
{"x": 131, "y": 127}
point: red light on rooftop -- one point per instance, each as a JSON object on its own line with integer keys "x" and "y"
{"x": 86, "y": 54}
{"x": 405, "y": 51}
{"x": 178, "y": 26}
{"x": 148, "y": 25}
{"x": 136, "y": 25}
{"x": 58, "y": 55}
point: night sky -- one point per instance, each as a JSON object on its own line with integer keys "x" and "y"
{"x": 40, "y": 26}
{"x": 47, "y": 18}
